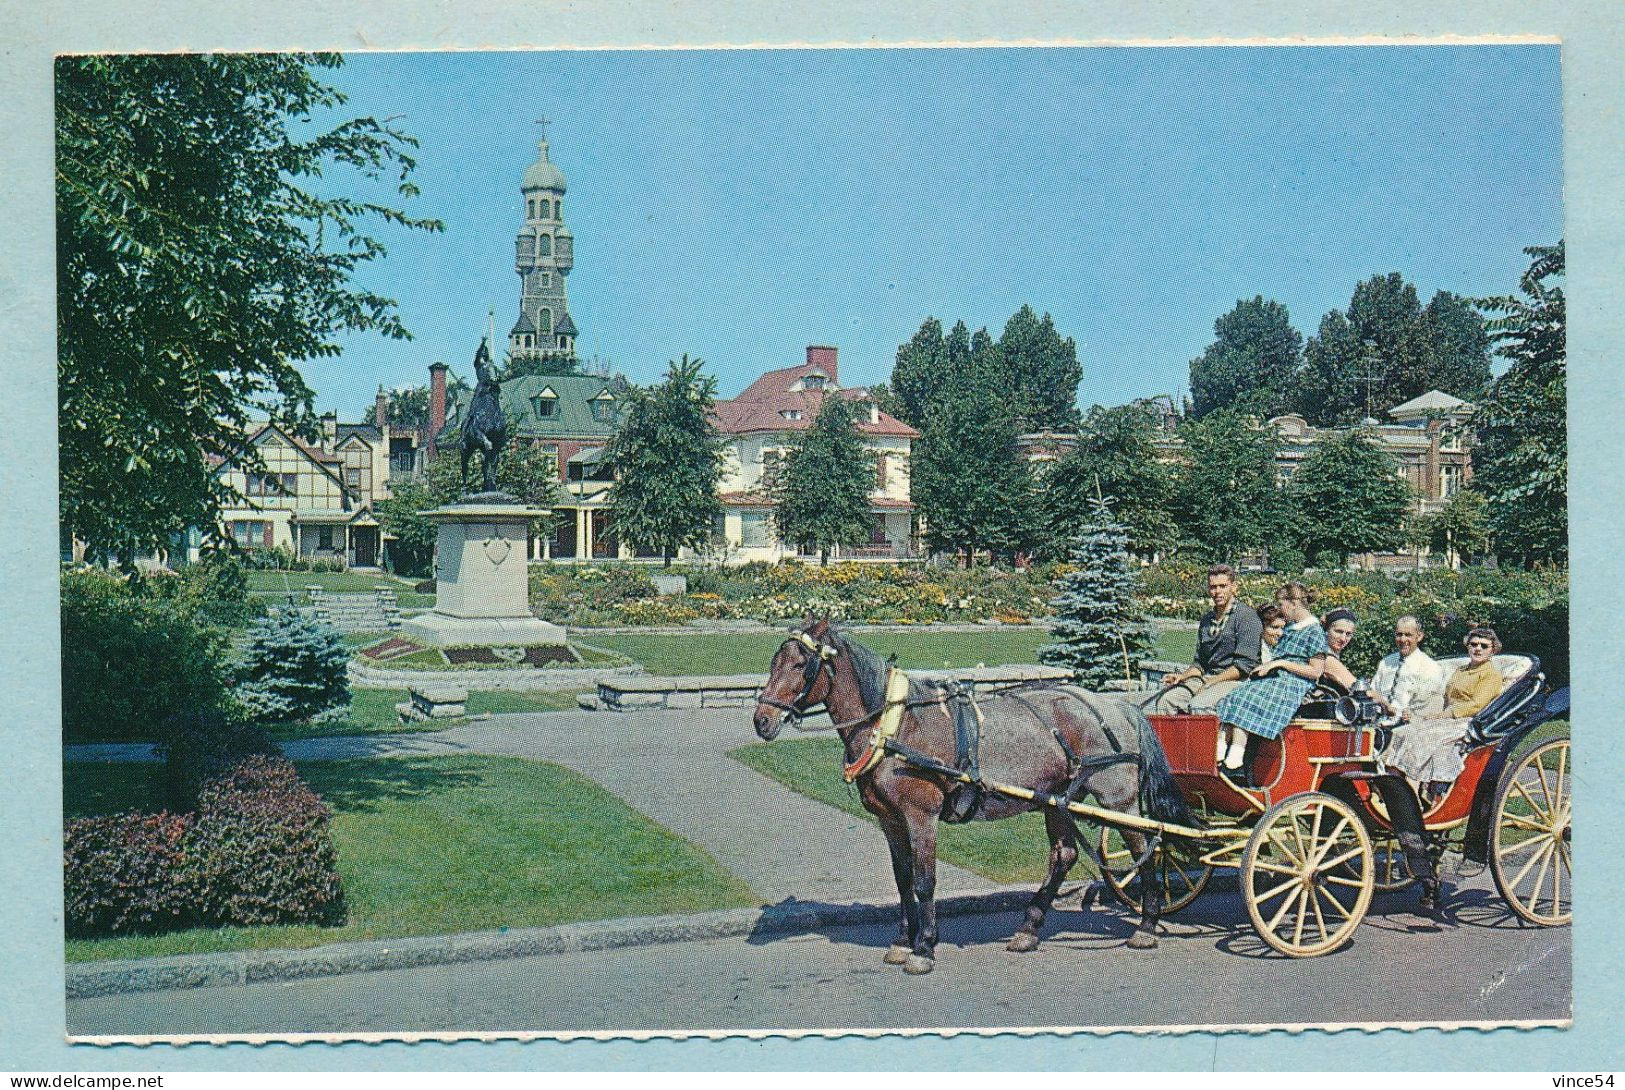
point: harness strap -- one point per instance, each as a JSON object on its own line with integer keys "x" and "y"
{"x": 891, "y": 718}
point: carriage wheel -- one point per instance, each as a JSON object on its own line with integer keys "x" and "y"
{"x": 1391, "y": 870}
{"x": 1307, "y": 874}
{"x": 1529, "y": 847}
{"x": 1177, "y": 864}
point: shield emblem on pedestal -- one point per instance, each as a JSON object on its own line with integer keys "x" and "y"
{"x": 497, "y": 549}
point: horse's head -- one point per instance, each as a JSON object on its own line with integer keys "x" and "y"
{"x": 799, "y": 678}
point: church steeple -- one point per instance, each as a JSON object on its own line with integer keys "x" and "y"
{"x": 544, "y": 257}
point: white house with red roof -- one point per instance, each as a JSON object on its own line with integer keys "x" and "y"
{"x": 761, "y": 424}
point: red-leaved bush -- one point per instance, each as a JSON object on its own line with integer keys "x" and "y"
{"x": 123, "y": 873}
{"x": 257, "y": 851}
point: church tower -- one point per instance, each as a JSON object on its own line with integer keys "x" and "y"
{"x": 543, "y": 259}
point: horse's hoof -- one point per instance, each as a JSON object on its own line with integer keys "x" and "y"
{"x": 897, "y": 954}
{"x": 1022, "y": 942}
{"x": 915, "y": 965}
{"x": 1142, "y": 940}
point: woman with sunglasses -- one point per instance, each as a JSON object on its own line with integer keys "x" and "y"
{"x": 1428, "y": 751}
{"x": 1472, "y": 687}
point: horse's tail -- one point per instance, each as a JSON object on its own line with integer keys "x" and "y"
{"x": 1160, "y": 796}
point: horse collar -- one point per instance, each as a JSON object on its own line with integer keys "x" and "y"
{"x": 891, "y": 718}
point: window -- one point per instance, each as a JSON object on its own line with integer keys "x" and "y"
{"x": 352, "y": 477}
{"x": 272, "y": 484}
{"x": 558, "y": 209}
{"x": 770, "y": 468}
{"x": 1450, "y": 440}
{"x": 545, "y": 406}
{"x": 551, "y": 450}
{"x": 324, "y": 538}
{"x": 544, "y": 322}
{"x": 813, "y": 382}
{"x": 249, "y": 533}
{"x": 546, "y": 279}
{"x": 530, "y": 209}
{"x": 1449, "y": 481}
{"x": 880, "y": 473}
{"x": 603, "y": 409}
{"x": 790, "y": 414}
{"x": 754, "y": 530}
{"x": 544, "y": 245}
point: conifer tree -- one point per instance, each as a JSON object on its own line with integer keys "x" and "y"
{"x": 1099, "y": 631}
{"x": 295, "y": 668}
{"x": 822, "y": 493}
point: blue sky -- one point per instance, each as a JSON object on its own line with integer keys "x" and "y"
{"x": 740, "y": 205}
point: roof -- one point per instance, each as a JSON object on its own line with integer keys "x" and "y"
{"x": 586, "y": 456}
{"x": 523, "y": 325}
{"x": 1434, "y": 401}
{"x": 761, "y": 405}
{"x": 542, "y": 174}
{"x": 364, "y": 431}
{"x": 572, "y": 415}
{"x": 564, "y": 327}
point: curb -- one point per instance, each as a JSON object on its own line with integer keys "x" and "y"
{"x": 87, "y": 980}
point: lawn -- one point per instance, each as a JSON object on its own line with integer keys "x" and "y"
{"x": 750, "y": 652}
{"x": 1013, "y": 851}
{"x": 280, "y": 584}
{"x": 441, "y": 845}
{"x": 372, "y": 711}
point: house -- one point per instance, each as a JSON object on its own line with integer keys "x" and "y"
{"x": 761, "y": 424}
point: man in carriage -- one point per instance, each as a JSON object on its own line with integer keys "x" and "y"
{"x": 1228, "y": 641}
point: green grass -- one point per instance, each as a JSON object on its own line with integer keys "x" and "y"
{"x": 1015, "y": 850}
{"x": 440, "y": 845}
{"x": 372, "y": 711}
{"x": 749, "y": 652}
{"x": 337, "y": 582}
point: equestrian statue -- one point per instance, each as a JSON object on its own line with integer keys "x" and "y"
{"x": 485, "y": 429}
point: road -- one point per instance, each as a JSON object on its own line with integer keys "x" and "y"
{"x": 1478, "y": 965}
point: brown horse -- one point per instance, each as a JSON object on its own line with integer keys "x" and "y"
{"x": 1041, "y": 738}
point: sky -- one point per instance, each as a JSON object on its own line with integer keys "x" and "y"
{"x": 740, "y": 205}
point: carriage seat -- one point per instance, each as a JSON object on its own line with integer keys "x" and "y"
{"x": 1510, "y": 667}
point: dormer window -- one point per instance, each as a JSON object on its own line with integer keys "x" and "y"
{"x": 603, "y": 407}
{"x": 546, "y": 404}
{"x": 813, "y": 382}
{"x": 791, "y": 414}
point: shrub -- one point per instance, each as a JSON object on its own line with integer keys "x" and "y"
{"x": 295, "y": 668}
{"x": 204, "y": 745}
{"x": 214, "y": 591}
{"x": 121, "y": 873}
{"x": 132, "y": 660}
{"x": 259, "y": 850}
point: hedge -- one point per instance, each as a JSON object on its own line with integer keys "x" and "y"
{"x": 122, "y": 874}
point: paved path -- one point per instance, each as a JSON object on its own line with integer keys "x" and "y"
{"x": 1210, "y": 970}
{"x": 672, "y": 766}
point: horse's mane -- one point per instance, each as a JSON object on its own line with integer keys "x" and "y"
{"x": 868, "y": 668}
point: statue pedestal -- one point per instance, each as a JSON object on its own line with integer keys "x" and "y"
{"x": 482, "y": 593}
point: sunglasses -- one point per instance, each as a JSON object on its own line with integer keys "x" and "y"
{"x": 1479, "y": 643}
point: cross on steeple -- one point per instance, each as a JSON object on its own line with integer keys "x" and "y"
{"x": 543, "y": 122}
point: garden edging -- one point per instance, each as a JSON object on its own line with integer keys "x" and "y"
{"x": 517, "y": 679}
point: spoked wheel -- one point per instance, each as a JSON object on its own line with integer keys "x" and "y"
{"x": 1178, "y": 867}
{"x": 1391, "y": 870}
{"x": 1529, "y": 846}
{"x": 1307, "y": 874}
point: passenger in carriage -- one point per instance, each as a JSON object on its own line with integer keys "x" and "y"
{"x": 1269, "y": 701}
{"x": 1227, "y": 645}
{"x": 1409, "y": 684}
{"x": 1472, "y": 687}
{"x": 1339, "y": 625}
{"x": 1273, "y": 622}
{"x": 1429, "y": 752}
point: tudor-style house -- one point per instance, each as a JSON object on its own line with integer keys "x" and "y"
{"x": 762, "y": 422}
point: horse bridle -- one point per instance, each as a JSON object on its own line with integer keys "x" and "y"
{"x": 817, "y": 663}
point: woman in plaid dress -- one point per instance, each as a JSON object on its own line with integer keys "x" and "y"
{"x": 1266, "y": 704}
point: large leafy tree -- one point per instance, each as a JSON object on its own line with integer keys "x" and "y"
{"x": 1348, "y": 497}
{"x": 972, "y": 489}
{"x": 1457, "y": 530}
{"x": 1387, "y": 349}
{"x": 408, "y": 406}
{"x": 822, "y": 492}
{"x": 1521, "y": 460}
{"x": 668, "y": 460}
{"x": 1224, "y": 493}
{"x": 524, "y": 471}
{"x": 1253, "y": 363}
{"x": 1042, "y": 371}
{"x": 197, "y": 264}
{"x": 921, "y": 367}
{"x": 1115, "y": 459}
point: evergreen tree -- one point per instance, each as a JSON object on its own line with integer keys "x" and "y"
{"x": 1116, "y": 456}
{"x": 668, "y": 459}
{"x": 972, "y": 490}
{"x": 1253, "y": 363}
{"x": 822, "y": 494}
{"x": 921, "y": 367}
{"x": 1347, "y": 497}
{"x": 1042, "y": 372}
{"x": 1099, "y": 630}
{"x": 1225, "y": 498}
{"x": 1521, "y": 460}
{"x": 295, "y": 669}
{"x": 196, "y": 266}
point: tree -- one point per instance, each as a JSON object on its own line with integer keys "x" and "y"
{"x": 1099, "y": 629}
{"x": 196, "y": 266}
{"x": 295, "y": 668}
{"x": 522, "y": 363}
{"x": 1457, "y": 346}
{"x": 1115, "y": 457}
{"x": 972, "y": 489}
{"x": 921, "y": 367}
{"x": 1253, "y": 363}
{"x": 1456, "y": 531}
{"x": 822, "y": 494}
{"x": 1348, "y": 497}
{"x": 668, "y": 459}
{"x": 1042, "y": 371}
{"x": 1521, "y": 460}
{"x": 524, "y": 471}
{"x": 408, "y": 406}
{"x": 1224, "y": 494}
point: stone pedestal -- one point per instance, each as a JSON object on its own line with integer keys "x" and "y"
{"x": 482, "y": 593}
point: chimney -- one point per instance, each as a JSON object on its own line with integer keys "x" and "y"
{"x": 437, "y": 403}
{"x": 822, "y": 356}
{"x": 330, "y": 430}
{"x": 380, "y": 412}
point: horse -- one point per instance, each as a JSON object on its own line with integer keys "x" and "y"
{"x": 485, "y": 429}
{"x": 1047, "y": 738}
